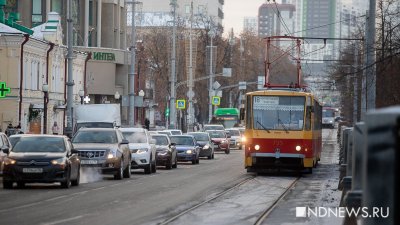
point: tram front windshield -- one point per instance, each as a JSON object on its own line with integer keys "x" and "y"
{"x": 278, "y": 112}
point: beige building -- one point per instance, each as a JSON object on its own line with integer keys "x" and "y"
{"x": 28, "y": 62}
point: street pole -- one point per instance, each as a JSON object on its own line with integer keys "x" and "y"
{"x": 70, "y": 83}
{"x": 131, "y": 77}
{"x": 190, "y": 84}
{"x": 210, "y": 90}
{"x": 172, "y": 115}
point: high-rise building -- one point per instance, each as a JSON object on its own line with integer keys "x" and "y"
{"x": 212, "y": 8}
{"x": 250, "y": 24}
{"x": 275, "y": 19}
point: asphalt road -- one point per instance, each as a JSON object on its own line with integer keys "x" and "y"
{"x": 137, "y": 200}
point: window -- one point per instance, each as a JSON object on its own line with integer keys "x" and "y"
{"x": 56, "y": 6}
{"x": 187, "y": 9}
{"x": 37, "y": 17}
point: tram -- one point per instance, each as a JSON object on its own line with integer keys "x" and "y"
{"x": 283, "y": 125}
{"x": 283, "y": 130}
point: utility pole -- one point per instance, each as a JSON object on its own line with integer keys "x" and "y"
{"x": 370, "y": 77}
{"x": 70, "y": 83}
{"x": 211, "y": 80}
{"x": 131, "y": 77}
{"x": 172, "y": 115}
{"x": 190, "y": 84}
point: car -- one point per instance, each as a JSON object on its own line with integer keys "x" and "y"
{"x": 41, "y": 159}
{"x": 207, "y": 127}
{"x": 174, "y": 131}
{"x": 4, "y": 144}
{"x": 220, "y": 140}
{"x": 143, "y": 149}
{"x": 166, "y": 151}
{"x": 167, "y": 132}
{"x": 104, "y": 149}
{"x": 235, "y": 137}
{"x": 187, "y": 148}
{"x": 204, "y": 140}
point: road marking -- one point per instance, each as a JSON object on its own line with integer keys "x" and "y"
{"x": 63, "y": 221}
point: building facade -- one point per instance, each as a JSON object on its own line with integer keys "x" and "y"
{"x": 275, "y": 19}
{"x": 27, "y": 63}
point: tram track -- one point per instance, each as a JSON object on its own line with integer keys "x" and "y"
{"x": 192, "y": 208}
{"x": 266, "y": 212}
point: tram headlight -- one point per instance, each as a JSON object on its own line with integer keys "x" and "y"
{"x": 243, "y": 139}
{"x": 257, "y": 147}
{"x": 298, "y": 148}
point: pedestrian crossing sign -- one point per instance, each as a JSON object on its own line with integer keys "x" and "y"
{"x": 181, "y": 104}
{"x": 216, "y": 100}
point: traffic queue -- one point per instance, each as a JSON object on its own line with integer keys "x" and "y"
{"x": 45, "y": 158}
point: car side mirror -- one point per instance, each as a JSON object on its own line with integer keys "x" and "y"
{"x": 124, "y": 142}
{"x": 74, "y": 151}
{"x": 6, "y": 150}
{"x": 173, "y": 144}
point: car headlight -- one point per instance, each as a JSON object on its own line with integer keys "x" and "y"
{"x": 223, "y": 141}
{"x": 60, "y": 161}
{"x": 141, "y": 151}
{"x": 243, "y": 139}
{"x": 112, "y": 154}
{"x": 8, "y": 161}
{"x": 189, "y": 152}
{"x": 206, "y": 147}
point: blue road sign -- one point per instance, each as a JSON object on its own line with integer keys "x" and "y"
{"x": 216, "y": 100}
{"x": 181, "y": 104}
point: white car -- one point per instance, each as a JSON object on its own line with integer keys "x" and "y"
{"x": 174, "y": 131}
{"x": 235, "y": 137}
{"x": 143, "y": 149}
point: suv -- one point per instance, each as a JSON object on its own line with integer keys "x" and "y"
{"x": 143, "y": 149}
{"x": 105, "y": 149}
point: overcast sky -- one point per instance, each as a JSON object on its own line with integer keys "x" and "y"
{"x": 236, "y": 10}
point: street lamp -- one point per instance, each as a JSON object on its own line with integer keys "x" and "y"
{"x": 117, "y": 95}
{"x": 45, "y": 89}
{"x": 81, "y": 94}
{"x": 141, "y": 94}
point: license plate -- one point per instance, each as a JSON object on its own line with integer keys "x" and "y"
{"x": 32, "y": 170}
{"x": 216, "y": 146}
{"x": 89, "y": 162}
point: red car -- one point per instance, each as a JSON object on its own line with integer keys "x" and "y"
{"x": 220, "y": 140}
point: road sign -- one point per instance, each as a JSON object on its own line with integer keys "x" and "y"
{"x": 181, "y": 104}
{"x": 4, "y": 89}
{"x": 216, "y": 85}
{"x": 242, "y": 85}
{"x": 216, "y": 100}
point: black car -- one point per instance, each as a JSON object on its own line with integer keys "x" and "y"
{"x": 41, "y": 159}
{"x": 204, "y": 140}
{"x": 166, "y": 151}
{"x": 104, "y": 149}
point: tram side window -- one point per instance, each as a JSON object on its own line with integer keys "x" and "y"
{"x": 248, "y": 112}
{"x": 308, "y": 118}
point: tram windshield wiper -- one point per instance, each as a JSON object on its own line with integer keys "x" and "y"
{"x": 283, "y": 125}
{"x": 263, "y": 126}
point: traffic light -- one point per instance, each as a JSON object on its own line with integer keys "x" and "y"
{"x": 167, "y": 112}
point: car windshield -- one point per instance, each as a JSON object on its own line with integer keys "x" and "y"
{"x": 95, "y": 136}
{"x": 182, "y": 140}
{"x": 200, "y": 136}
{"x": 39, "y": 144}
{"x": 234, "y": 132}
{"x": 217, "y": 134}
{"x": 164, "y": 132}
{"x": 14, "y": 140}
{"x": 160, "y": 140}
{"x": 175, "y": 132}
{"x": 135, "y": 136}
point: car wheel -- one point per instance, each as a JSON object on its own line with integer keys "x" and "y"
{"x": 7, "y": 184}
{"x": 120, "y": 174}
{"x": 78, "y": 177}
{"x": 212, "y": 156}
{"x": 127, "y": 171}
{"x": 20, "y": 184}
{"x": 67, "y": 183}
{"x": 168, "y": 166}
{"x": 147, "y": 168}
{"x": 227, "y": 151}
{"x": 154, "y": 166}
{"x": 194, "y": 161}
{"x": 197, "y": 161}
{"x": 176, "y": 163}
